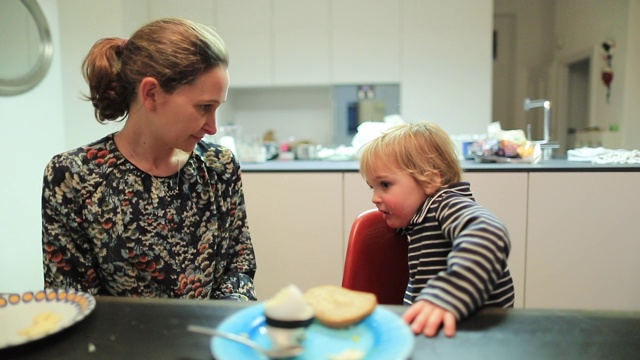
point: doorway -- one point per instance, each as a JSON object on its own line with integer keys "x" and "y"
{"x": 577, "y": 80}
{"x": 577, "y": 100}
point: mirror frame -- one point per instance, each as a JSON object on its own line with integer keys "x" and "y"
{"x": 26, "y": 82}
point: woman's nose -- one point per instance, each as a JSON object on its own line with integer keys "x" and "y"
{"x": 211, "y": 126}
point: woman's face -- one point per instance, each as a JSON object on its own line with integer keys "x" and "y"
{"x": 189, "y": 114}
{"x": 397, "y": 195}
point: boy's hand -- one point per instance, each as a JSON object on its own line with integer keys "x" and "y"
{"x": 427, "y": 318}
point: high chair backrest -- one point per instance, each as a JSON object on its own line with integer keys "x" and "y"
{"x": 376, "y": 259}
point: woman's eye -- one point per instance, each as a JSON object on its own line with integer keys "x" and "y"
{"x": 206, "y": 108}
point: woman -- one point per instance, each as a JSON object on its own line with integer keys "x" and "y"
{"x": 152, "y": 210}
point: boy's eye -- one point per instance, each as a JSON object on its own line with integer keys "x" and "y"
{"x": 385, "y": 184}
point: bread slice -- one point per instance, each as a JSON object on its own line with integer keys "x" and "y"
{"x": 335, "y": 306}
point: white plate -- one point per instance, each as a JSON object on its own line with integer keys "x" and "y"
{"x": 18, "y": 311}
{"x": 381, "y": 336}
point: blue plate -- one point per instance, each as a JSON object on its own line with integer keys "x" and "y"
{"x": 382, "y": 335}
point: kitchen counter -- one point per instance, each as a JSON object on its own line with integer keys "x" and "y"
{"x": 554, "y": 165}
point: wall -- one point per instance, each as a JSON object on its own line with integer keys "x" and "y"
{"x": 533, "y": 47}
{"x": 581, "y": 26}
{"x": 82, "y": 23}
{"x": 31, "y": 131}
{"x": 631, "y": 90}
{"x": 300, "y": 112}
{"x": 550, "y": 33}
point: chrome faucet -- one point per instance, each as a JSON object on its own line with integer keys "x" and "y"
{"x": 545, "y": 144}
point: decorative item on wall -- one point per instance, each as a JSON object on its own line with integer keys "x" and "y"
{"x": 607, "y": 71}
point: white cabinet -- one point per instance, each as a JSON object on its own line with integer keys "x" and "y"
{"x": 573, "y": 235}
{"x": 292, "y": 42}
{"x": 301, "y": 42}
{"x": 583, "y": 248}
{"x": 195, "y": 10}
{"x": 296, "y": 228}
{"x": 276, "y": 43}
{"x": 446, "y": 54}
{"x": 357, "y": 198}
{"x": 365, "y": 41}
{"x": 246, "y": 27}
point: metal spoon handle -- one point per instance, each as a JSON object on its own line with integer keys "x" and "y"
{"x": 214, "y": 332}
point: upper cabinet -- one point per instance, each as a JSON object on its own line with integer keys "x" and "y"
{"x": 447, "y": 62}
{"x": 365, "y": 41}
{"x": 203, "y": 12}
{"x": 247, "y": 27}
{"x": 277, "y": 42}
{"x": 300, "y": 42}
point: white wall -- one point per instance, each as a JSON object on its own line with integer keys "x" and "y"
{"x": 533, "y": 47}
{"x": 630, "y": 124}
{"x": 581, "y": 25}
{"x": 82, "y": 23}
{"x": 31, "y": 131}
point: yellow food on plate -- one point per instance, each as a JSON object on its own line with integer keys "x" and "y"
{"x": 337, "y": 307}
{"x": 43, "y": 323}
{"x": 349, "y": 354}
{"x": 526, "y": 150}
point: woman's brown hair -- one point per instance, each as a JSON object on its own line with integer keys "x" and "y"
{"x": 172, "y": 51}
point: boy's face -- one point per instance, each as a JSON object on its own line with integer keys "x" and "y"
{"x": 397, "y": 195}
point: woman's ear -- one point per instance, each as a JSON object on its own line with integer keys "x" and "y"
{"x": 149, "y": 90}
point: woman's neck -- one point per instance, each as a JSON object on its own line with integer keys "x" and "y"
{"x": 148, "y": 154}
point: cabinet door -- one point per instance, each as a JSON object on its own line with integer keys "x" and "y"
{"x": 583, "y": 250}
{"x": 301, "y": 42}
{"x": 247, "y": 29}
{"x": 296, "y": 228}
{"x": 505, "y": 194}
{"x": 446, "y": 54}
{"x": 357, "y": 198}
{"x": 195, "y": 10}
{"x": 365, "y": 40}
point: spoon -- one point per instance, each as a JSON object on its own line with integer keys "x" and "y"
{"x": 277, "y": 353}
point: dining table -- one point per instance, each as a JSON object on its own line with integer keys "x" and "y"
{"x": 143, "y": 328}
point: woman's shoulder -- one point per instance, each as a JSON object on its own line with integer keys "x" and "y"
{"x": 90, "y": 158}
{"x": 216, "y": 157}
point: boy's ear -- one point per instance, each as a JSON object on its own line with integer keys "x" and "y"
{"x": 149, "y": 90}
{"x": 435, "y": 183}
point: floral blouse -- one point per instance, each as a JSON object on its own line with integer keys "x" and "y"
{"x": 110, "y": 228}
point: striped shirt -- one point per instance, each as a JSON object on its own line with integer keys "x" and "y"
{"x": 458, "y": 254}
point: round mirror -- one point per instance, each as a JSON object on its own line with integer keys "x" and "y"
{"x": 25, "y": 46}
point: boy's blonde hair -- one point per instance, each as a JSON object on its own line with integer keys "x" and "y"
{"x": 422, "y": 149}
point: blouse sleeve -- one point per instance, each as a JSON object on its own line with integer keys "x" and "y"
{"x": 237, "y": 283}
{"x": 480, "y": 248}
{"x": 67, "y": 256}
